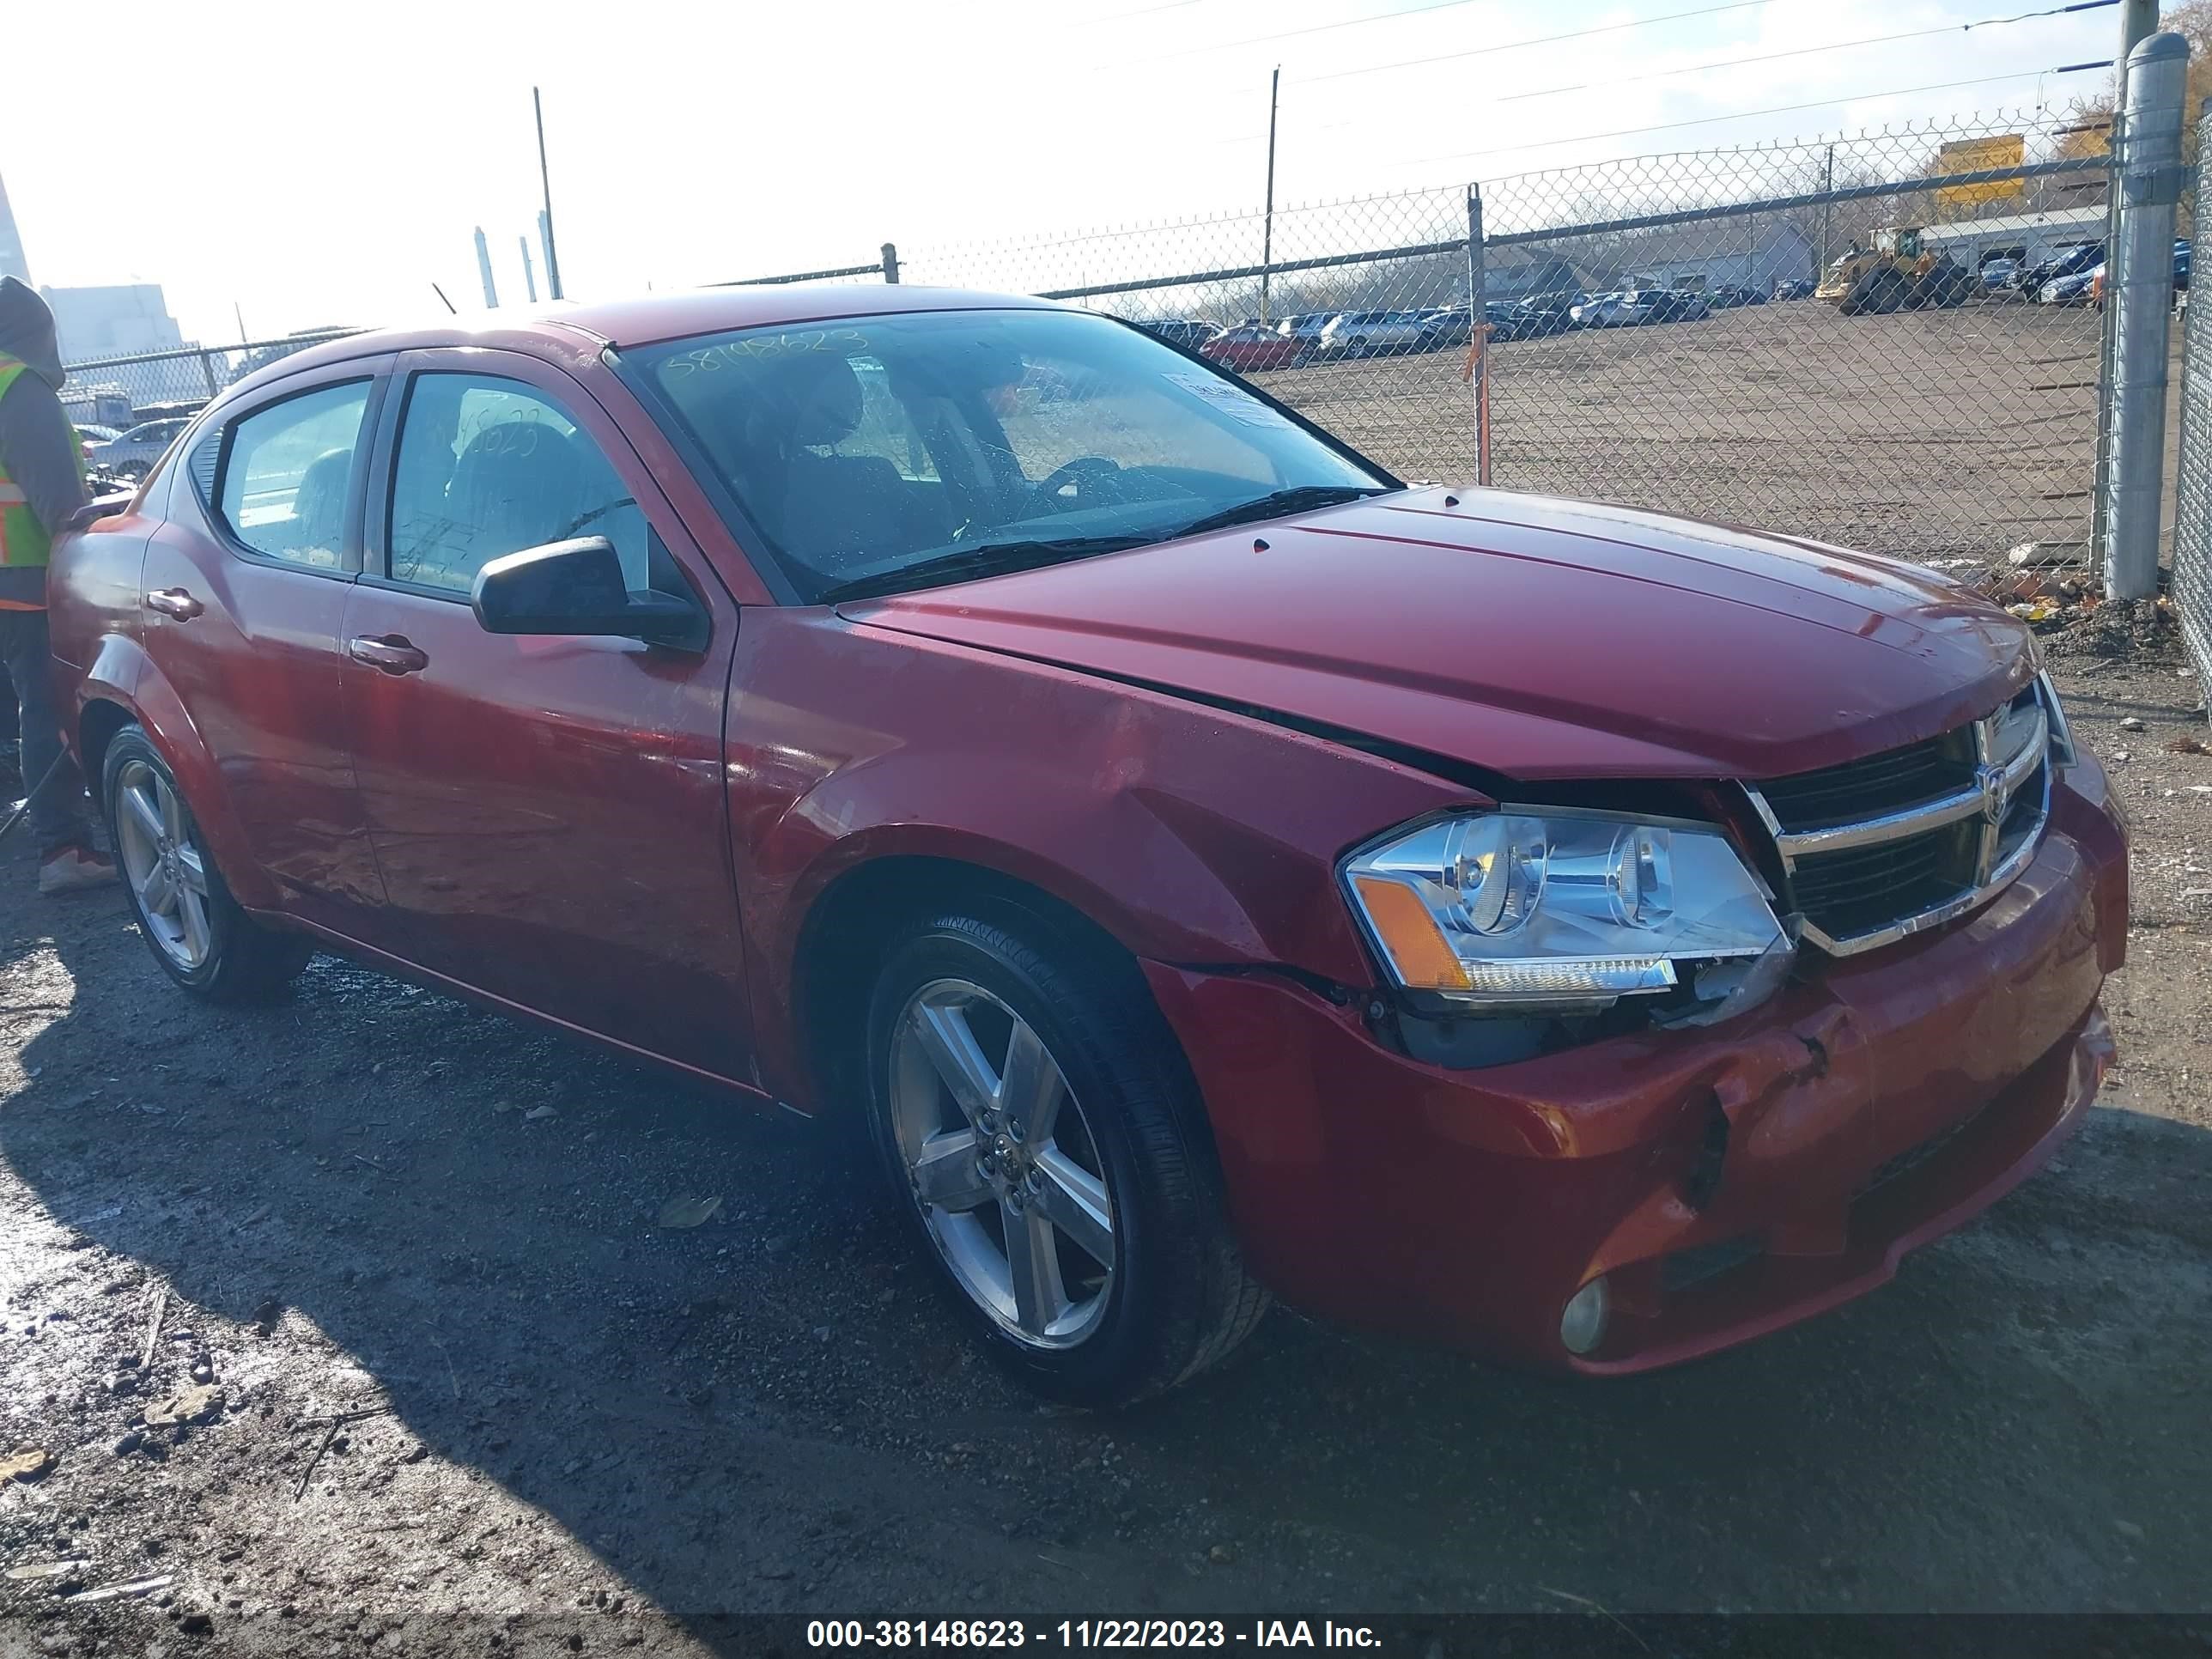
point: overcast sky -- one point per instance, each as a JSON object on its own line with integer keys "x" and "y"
{"x": 317, "y": 164}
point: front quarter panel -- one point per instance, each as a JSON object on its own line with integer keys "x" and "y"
{"x": 1190, "y": 834}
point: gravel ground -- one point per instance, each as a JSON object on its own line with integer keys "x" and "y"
{"x": 600, "y": 1432}
{"x": 1933, "y": 434}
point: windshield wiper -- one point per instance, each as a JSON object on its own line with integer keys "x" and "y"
{"x": 1302, "y": 498}
{"x": 986, "y": 559}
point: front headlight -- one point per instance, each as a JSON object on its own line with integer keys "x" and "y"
{"x": 1561, "y": 909}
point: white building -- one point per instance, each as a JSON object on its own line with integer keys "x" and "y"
{"x": 2030, "y": 238}
{"x": 1720, "y": 253}
{"x": 112, "y": 321}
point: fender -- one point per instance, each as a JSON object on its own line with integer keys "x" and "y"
{"x": 1191, "y": 835}
{"x": 121, "y": 673}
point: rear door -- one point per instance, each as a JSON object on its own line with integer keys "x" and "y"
{"x": 548, "y": 812}
{"x": 244, "y": 583}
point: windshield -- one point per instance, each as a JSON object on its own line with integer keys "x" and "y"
{"x": 870, "y": 454}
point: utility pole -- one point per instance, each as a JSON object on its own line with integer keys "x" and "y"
{"x": 1827, "y": 210}
{"x": 237, "y": 310}
{"x": 1267, "y": 224}
{"x": 529, "y": 277}
{"x": 545, "y": 218}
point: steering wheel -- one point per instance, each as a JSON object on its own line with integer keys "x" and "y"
{"x": 1086, "y": 474}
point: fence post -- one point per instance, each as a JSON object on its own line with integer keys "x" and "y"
{"x": 890, "y": 262}
{"x": 207, "y": 370}
{"x": 2139, "y": 289}
{"x": 1478, "y": 350}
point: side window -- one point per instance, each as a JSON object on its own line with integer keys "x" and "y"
{"x": 285, "y": 474}
{"x": 489, "y": 467}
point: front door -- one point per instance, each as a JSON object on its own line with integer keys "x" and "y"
{"x": 245, "y": 586}
{"x": 548, "y": 812}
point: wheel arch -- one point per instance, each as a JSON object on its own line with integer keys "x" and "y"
{"x": 124, "y": 688}
{"x": 843, "y": 937}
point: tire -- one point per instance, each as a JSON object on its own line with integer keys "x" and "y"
{"x": 1148, "y": 1290}
{"x": 201, "y": 938}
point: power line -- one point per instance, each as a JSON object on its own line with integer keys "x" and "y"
{"x": 1417, "y": 11}
{"x": 1313, "y": 28}
{"x": 1804, "y": 52}
{"x": 1742, "y": 115}
{"x": 1538, "y": 40}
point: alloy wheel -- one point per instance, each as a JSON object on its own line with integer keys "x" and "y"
{"x": 1002, "y": 1164}
{"x": 161, "y": 861}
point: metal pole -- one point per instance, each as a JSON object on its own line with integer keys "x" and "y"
{"x": 239, "y": 312}
{"x": 1827, "y": 211}
{"x": 483, "y": 271}
{"x": 1267, "y": 226}
{"x": 529, "y": 275}
{"x": 2139, "y": 297}
{"x": 207, "y": 370}
{"x": 1478, "y": 319}
{"x": 545, "y": 218}
{"x": 2137, "y": 19}
{"x": 890, "y": 262}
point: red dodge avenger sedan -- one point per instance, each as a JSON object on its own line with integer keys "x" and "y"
{"x": 1208, "y": 867}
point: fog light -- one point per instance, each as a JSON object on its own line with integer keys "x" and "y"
{"x": 1582, "y": 1326}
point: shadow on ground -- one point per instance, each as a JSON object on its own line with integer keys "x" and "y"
{"x": 773, "y": 1411}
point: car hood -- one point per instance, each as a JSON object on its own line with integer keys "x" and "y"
{"x": 1535, "y": 637}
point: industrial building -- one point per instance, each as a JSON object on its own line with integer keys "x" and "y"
{"x": 2030, "y": 238}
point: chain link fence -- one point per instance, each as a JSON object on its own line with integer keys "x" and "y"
{"x": 124, "y": 391}
{"x": 1653, "y": 331}
{"x": 2190, "y": 586}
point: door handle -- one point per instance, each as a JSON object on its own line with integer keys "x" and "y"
{"x": 393, "y": 656}
{"x": 174, "y": 602}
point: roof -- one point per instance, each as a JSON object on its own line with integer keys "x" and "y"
{"x": 2066, "y": 219}
{"x": 584, "y": 331}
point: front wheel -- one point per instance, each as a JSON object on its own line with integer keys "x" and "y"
{"x": 196, "y": 930}
{"x": 1050, "y": 1148}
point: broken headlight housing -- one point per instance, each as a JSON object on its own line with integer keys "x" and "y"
{"x": 1555, "y": 910}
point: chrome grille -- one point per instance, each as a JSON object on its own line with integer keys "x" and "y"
{"x": 1879, "y": 849}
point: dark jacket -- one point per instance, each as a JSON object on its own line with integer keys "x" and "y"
{"x": 38, "y": 446}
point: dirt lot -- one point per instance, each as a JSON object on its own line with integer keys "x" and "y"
{"x": 1935, "y": 434}
{"x": 604, "y": 1432}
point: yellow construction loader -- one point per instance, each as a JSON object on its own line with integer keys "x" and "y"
{"x": 1899, "y": 274}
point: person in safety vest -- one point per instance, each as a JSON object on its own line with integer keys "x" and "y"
{"x": 41, "y": 483}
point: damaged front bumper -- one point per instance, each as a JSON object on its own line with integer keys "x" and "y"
{"x": 1724, "y": 1181}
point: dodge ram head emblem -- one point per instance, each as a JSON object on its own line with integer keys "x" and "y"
{"x": 1997, "y": 793}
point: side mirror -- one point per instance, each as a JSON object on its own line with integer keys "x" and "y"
{"x": 577, "y": 587}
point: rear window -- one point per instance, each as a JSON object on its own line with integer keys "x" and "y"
{"x": 287, "y": 475}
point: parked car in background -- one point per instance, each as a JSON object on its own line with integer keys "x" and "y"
{"x": 1372, "y": 333}
{"x": 1678, "y": 305}
{"x": 1190, "y": 336}
{"x": 1306, "y": 329}
{"x": 98, "y": 435}
{"x": 132, "y": 455}
{"x": 2072, "y": 261}
{"x": 1998, "y": 274}
{"x": 2072, "y": 290}
{"x": 1625, "y": 309}
{"x": 1797, "y": 288}
{"x": 1545, "y": 314}
{"x": 1195, "y": 861}
{"x": 1254, "y": 346}
{"x": 1728, "y": 296}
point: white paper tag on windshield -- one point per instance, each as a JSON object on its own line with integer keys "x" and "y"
{"x": 1237, "y": 406}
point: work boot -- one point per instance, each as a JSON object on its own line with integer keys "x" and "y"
{"x": 73, "y": 867}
